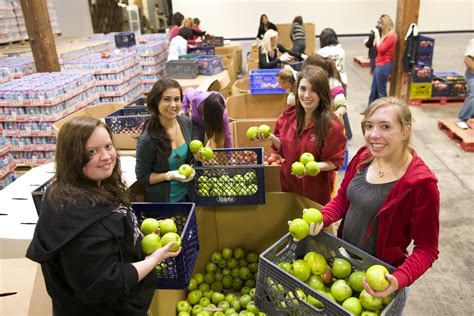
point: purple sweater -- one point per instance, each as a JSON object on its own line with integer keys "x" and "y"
{"x": 192, "y": 99}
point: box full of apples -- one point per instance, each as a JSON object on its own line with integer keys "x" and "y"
{"x": 226, "y": 287}
{"x": 231, "y": 176}
{"x": 321, "y": 275}
{"x": 176, "y": 223}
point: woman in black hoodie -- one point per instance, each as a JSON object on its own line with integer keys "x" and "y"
{"x": 87, "y": 238}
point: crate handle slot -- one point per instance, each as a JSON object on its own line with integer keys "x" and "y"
{"x": 128, "y": 124}
{"x": 349, "y": 256}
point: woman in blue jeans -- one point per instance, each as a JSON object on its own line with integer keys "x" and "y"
{"x": 385, "y": 44}
{"x": 467, "y": 111}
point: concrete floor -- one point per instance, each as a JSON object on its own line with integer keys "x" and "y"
{"x": 448, "y": 287}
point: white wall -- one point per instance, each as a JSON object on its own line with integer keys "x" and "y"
{"x": 74, "y": 17}
{"x": 240, "y": 18}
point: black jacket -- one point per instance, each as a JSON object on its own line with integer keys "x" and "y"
{"x": 262, "y": 30}
{"x": 85, "y": 254}
{"x": 270, "y": 62}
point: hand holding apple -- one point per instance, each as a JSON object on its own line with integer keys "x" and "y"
{"x": 165, "y": 252}
{"x": 392, "y": 287}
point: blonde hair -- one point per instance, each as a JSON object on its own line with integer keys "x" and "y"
{"x": 188, "y": 20}
{"x": 267, "y": 47}
{"x": 287, "y": 75}
{"x": 387, "y": 25}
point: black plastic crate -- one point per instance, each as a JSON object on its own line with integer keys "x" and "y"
{"x": 182, "y": 69}
{"x": 421, "y": 74}
{"x": 38, "y": 196}
{"x": 235, "y": 176}
{"x": 125, "y": 39}
{"x": 441, "y": 87}
{"x": 175, "y": 273}
{"x": 209, "y": 65}
{"x": 214, "y": 41}
{"x": 274, "y": 284}
{"x": 127, "y": 120}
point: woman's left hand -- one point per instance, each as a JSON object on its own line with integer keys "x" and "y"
{"x": 392, "y": 287}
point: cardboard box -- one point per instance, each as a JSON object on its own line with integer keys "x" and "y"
{"x": 241, "y": 86}
{"x": 203, "y": 83}
{"x": 255, "y": 106}
{"x": 233, "y": 51}
{"x": 253, "y": 227}
{"x": 239, "y": 133}
{"x": 285, "y": 40}
{"x": 272, "y": 178}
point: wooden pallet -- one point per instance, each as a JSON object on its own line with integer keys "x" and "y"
{"x": 363, "y": 61}
{"x": 438, "y": 101}
{"x": 462, "y": 137}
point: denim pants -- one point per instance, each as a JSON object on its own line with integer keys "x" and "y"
{"x": 379, "y": 82}
{"x": 467, "y": 110}
{"x": 299, "y": 46}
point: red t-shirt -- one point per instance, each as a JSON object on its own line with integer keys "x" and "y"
{"x": 316, "y": 188}
{"x": 385, "y": 50}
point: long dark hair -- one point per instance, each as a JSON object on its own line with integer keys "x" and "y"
{"x": 70, "y": 185}
{"x": 261, "y": 18}
{"x": 323, "y": 114}
{"x": 212, "y": 109}
{"x": 178, "y": 19}
{"x": 327, "y": 63}
{"x": 328, "y": 37}
{"x": 153, "y": 126}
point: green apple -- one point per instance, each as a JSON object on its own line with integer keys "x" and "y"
{"x": 317, "y": 263}
{"x": 250, "y": 283}
{"x": 245, "y": 273}
{"x": 375, "y": 276}
{"x": 316, "y": 303}
{"x": 306, "y": 157}
{"x": 387, "y": 299}
{"x": 183, "y": 306}
{"x": 216, "y": 257}
{"x": 204, "y": 286}
{"x": 209, "y": 277}
{"x": 369, "y": 313}
{"x": 252, "y": 308}
{"x": 245, "y": 290}
{"x": 312, "y": 215}
{"x": 341, "y": 268}
{"x": 239, "y": 253}
{"x": 185, "y": 170}
{"x": 199, "y": 277}
{"x": 265, "y": 130}
{"x": 167, "y": 226}
{"x": 207, "y": 153}
{"x": 171, "y": 237}
{"x": 204, "y": 301}
{"x": 227, "y": 282}
{"x": 207, "y": 293}
{"x": 183, "y": 313}
{"x": 316, "y": 282}
{"x": 244, "y": 300}
{"x": 195, "y": 146}
{"x": 194, "y": 297}
{"x": 196, "y": 309}
{"x": 299, "y": 228}
{"x": 252, "y": 257}
{"x": 236, "y": 305}
{"x": 341, "y": 290}
{"x": 301, "y": 270}
{"x": 217, "y": 286}
{"x": 237, "y": 284}
{"x": 252, "y": 132}
{"x": 231, "y": 311}
{"x": 312, "y": 168}
{"x": 356, "y": 281}
{"x": 285, "y": 266}
{"x": 217, "y": 297}
{"x": 149, "y": 225}
{"x": 218, "y": 275}
{"x": 369, "y": 302}
{"x": 235, "y": 271}
{"x": 253, "y": 267}
{"x": 230, "y": 297}
{"x": 211, "y": 267}
{"x": 150, "y": 243}
{"x": 252, "y": 293}
{"x": 352, "y": 304}
{"x": 192, "y": 284}
{"x": 297, "y": 168}
{"x": 224, "y": 305}
{"x": 243, "y": 262}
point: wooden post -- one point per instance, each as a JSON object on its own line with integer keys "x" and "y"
{"x": 407, "y": 13}
{"x": 41, "y": 36}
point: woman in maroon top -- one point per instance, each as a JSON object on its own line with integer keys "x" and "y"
{"x": 310, "y": 126}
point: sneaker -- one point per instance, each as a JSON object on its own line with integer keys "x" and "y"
{"x": 462, "y": 125}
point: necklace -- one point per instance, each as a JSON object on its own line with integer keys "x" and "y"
{"x": 381, "y": 173}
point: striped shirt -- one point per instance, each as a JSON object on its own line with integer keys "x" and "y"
{"x": 297, "y": 32}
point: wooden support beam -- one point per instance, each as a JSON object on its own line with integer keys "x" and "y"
{"x": 407, "y": 13}
{"x": 41, "y": 36}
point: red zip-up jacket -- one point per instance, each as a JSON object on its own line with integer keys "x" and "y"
{"x": 386, "y": 49}
{"x": 410, "y": 212}
{"x": 320, "y": 187}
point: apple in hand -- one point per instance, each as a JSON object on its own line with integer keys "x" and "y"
{"x": 195, "y": 146}
{"x": 150, "y": 243}
{"x": 299, "y": 229}
{"x": 167, "y": 226}
{"x": 297, "y": 168}
{"x": 375, "y": 276}
{"x": 149, "y": 225}
{"x": 252, "y": 132}
{"x": 171, "y": 237}
{"x": 185, "y": 170}
{"x": 312, "y": 215}
{"x": 207, "y": 153}
{"x": 265, "y": 130}
{"x": 312, "y": 168}
{"x": 306, "y": 157}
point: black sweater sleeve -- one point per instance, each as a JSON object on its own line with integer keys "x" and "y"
{"x": 265, "y": 62}
{"x": 93, "y": 265}
{"x": 282, "y": 49}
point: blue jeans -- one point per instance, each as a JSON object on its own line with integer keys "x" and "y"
{"x": 467, "y": 110}
{"x": 379, "y": 82}
{"x": 299, "y": 46}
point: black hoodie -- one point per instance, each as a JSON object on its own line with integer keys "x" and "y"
{"x": 85, "y": 254}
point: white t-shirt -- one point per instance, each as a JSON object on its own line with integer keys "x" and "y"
{"x": 470, "y": 48}
{"x": 178, "y": 47}
{"x": 338, "y": 54}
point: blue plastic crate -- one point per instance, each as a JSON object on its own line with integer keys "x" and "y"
{"x": 425, "y": 50}
{"x": 457, "y": 83}
{"x": 206, "y": 50}
{"x": 127, "y": 120}
{"x": 235, "y": 176}
{"x": 209, "y": 65}
{"x": 421, "y": 74}
{"x": 264, "y": 81}
{"x": 38, "y": 196}
{"x": 274, "y": 284}
{"x": 175, "y": 273}
{"x": 182, "y": 69}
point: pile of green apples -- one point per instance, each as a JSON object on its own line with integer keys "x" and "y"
{"x": 227, "y": 287}
{"x": 158, "y": 233}
{"x": 338, "y": 282}
{"x": 306, "y": 165}
{"x": 241, "y": 184}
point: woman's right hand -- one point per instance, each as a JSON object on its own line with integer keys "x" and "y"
{"x": 164, "y": 253}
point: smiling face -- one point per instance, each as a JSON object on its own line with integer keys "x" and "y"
{"x": 309, "y": 99}
{"x": 170, "y": 103}
{"x": 384, "y": 135}
{"x": 102, "y": 155}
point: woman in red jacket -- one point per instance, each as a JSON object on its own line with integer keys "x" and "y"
{"x": 385, "y": 45}
{"x": 389, "y": 197}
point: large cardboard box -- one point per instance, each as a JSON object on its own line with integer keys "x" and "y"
{"x": 252, "y": 106}
{"x": 241, "y": 86}
{"x": 285, "y": 40}
{"x": 253, "y": 227}
{"x": 232, "y": 50}
{"x": 203, "y": 83}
